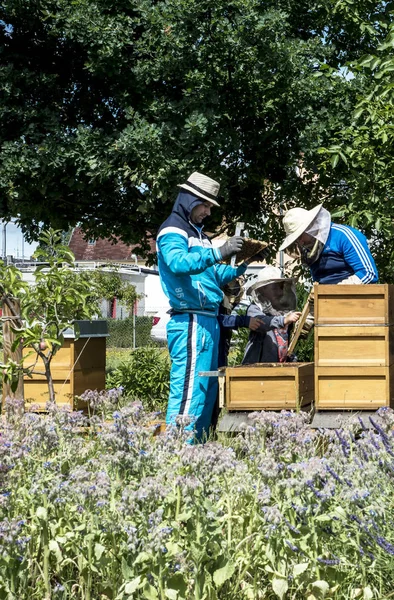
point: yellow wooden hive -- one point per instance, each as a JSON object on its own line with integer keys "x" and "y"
{"x": 354, "y": 346}
{"x": 78, "y": 365}
{"x": 269, "y": 386}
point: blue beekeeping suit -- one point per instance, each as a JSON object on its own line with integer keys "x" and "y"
{"x": 192, "y": 278}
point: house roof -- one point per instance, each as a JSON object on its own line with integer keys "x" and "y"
{"x": 103, "y": 248}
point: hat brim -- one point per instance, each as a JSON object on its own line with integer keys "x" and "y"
{"x": 184, "y": 186}
{"x": 259, "y": 284}
{"x": 290, "y": 239}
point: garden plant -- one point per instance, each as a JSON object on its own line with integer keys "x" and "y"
{"x": 60, "y": 296}
{"x": 114, "y": 512}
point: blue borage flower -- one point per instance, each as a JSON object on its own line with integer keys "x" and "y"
{"x": 265, "y": 471}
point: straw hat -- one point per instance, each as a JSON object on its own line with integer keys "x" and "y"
{"x": 296, "y": 221}
{"x": 265, "y": 277}
{"x": 203, "y": 187}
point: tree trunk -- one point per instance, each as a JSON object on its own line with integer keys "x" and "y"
{"x": 48, "y": 375}
{"x": 11, "y": 309}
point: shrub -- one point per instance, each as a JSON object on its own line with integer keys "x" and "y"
{"x": 145, "y": 376}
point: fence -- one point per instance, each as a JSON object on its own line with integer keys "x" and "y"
{"x": 132, "y": 332}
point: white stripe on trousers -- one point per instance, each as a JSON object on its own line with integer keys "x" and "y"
{"x": 193, "y": 344}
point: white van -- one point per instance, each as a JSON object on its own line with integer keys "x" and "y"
{"x": 156, "y": 306}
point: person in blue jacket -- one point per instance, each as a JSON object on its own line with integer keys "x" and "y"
{"x": 192, "y": 278}
{"x": 334, "y": 253}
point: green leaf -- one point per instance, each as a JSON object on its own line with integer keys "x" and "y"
{"x": 357, "y": 113}
{"x": 149, "y": 592}
{"x": 127, "y": 571}
{"x": 55, "y": 549}
{"x": 321, "y": 587}
{"x": 142, "y": 557}
{"x": 300, "y": 568}
{"x": 173, "y": 548}
{"x": 133, "y": 585}
{"x": 365, "y": 60}
{"x": 334, "y": 160}
{"x": 221, "y": 575}
{"x": 171, "y": 594}
{"x": 280, "y": 587}
{"x": 98, "y": 550}
{"x": 368, "y": 593}
{"x": 42, "y": 513}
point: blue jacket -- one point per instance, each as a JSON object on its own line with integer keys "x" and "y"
{"x": 188, "y": 264}
{"x": 345, "y": 253}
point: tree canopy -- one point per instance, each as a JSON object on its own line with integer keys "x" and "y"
{"x": 356, "y": 167}
{"x": 106, "y": 106}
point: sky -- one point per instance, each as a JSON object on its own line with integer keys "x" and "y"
{"x": 14, "y": 242}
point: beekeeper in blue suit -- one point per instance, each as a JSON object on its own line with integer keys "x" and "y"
{"x": 334, "y": 253}
{"x": 192, "y": 276}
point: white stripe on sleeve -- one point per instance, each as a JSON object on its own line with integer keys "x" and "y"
{"x": 361, "y": 252}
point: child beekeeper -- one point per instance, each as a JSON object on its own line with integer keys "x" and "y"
{"x": 274, "y": 302}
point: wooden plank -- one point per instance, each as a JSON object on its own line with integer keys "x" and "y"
{"x": 88, "y": 379}
{"x": 354, "y": 304}
{"x": 308, "y": 307}
{"x": 356, "y": 388}
{"x": 36, "y": 392}
{"x": 89, "y": 353}
{"x": 274, "y": 369}
{"x": 73, "y": 372}
{"x": 11, "y": 316}
{"x": 354, "y": 345}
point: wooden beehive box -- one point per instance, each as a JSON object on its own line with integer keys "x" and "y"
{"x": 354, "y": 388}
{"x": 78, "y": 365}
{"x": 354, "y": 345}
{"x": 269, "y": 386}
{"x": 354, "y": 304}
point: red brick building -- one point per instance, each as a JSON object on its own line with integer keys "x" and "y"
{"x": 103, "y": 249}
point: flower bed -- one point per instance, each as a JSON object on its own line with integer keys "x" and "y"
{"x": 279, "y": 511}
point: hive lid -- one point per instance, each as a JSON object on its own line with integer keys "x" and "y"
{"x": 96, "y": 328}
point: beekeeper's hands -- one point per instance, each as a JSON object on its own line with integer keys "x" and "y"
{"x": 231, "y": 247}
{"x": 292, "y": 317}
{"x": 260, "y": 256}
{"x": 255, "y": 323}
{"x": 309, "y": 323}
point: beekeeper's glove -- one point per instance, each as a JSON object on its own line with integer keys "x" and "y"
{"x": 231, "y": 247}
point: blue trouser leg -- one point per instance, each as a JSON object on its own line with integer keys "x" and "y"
{"x": 193, "y": 346}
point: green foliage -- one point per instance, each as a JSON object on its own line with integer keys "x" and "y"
{"x": 108, "y": 284}
{"x": 145, "y": 376}
{"x": 239, "y": 340}
{"x": 114, "y": 356}
{"x": 121, "y": 332}
{"x": 59, "y": 296}
{"x": 107, "y": 106}
{"x": 356, "y": 168}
